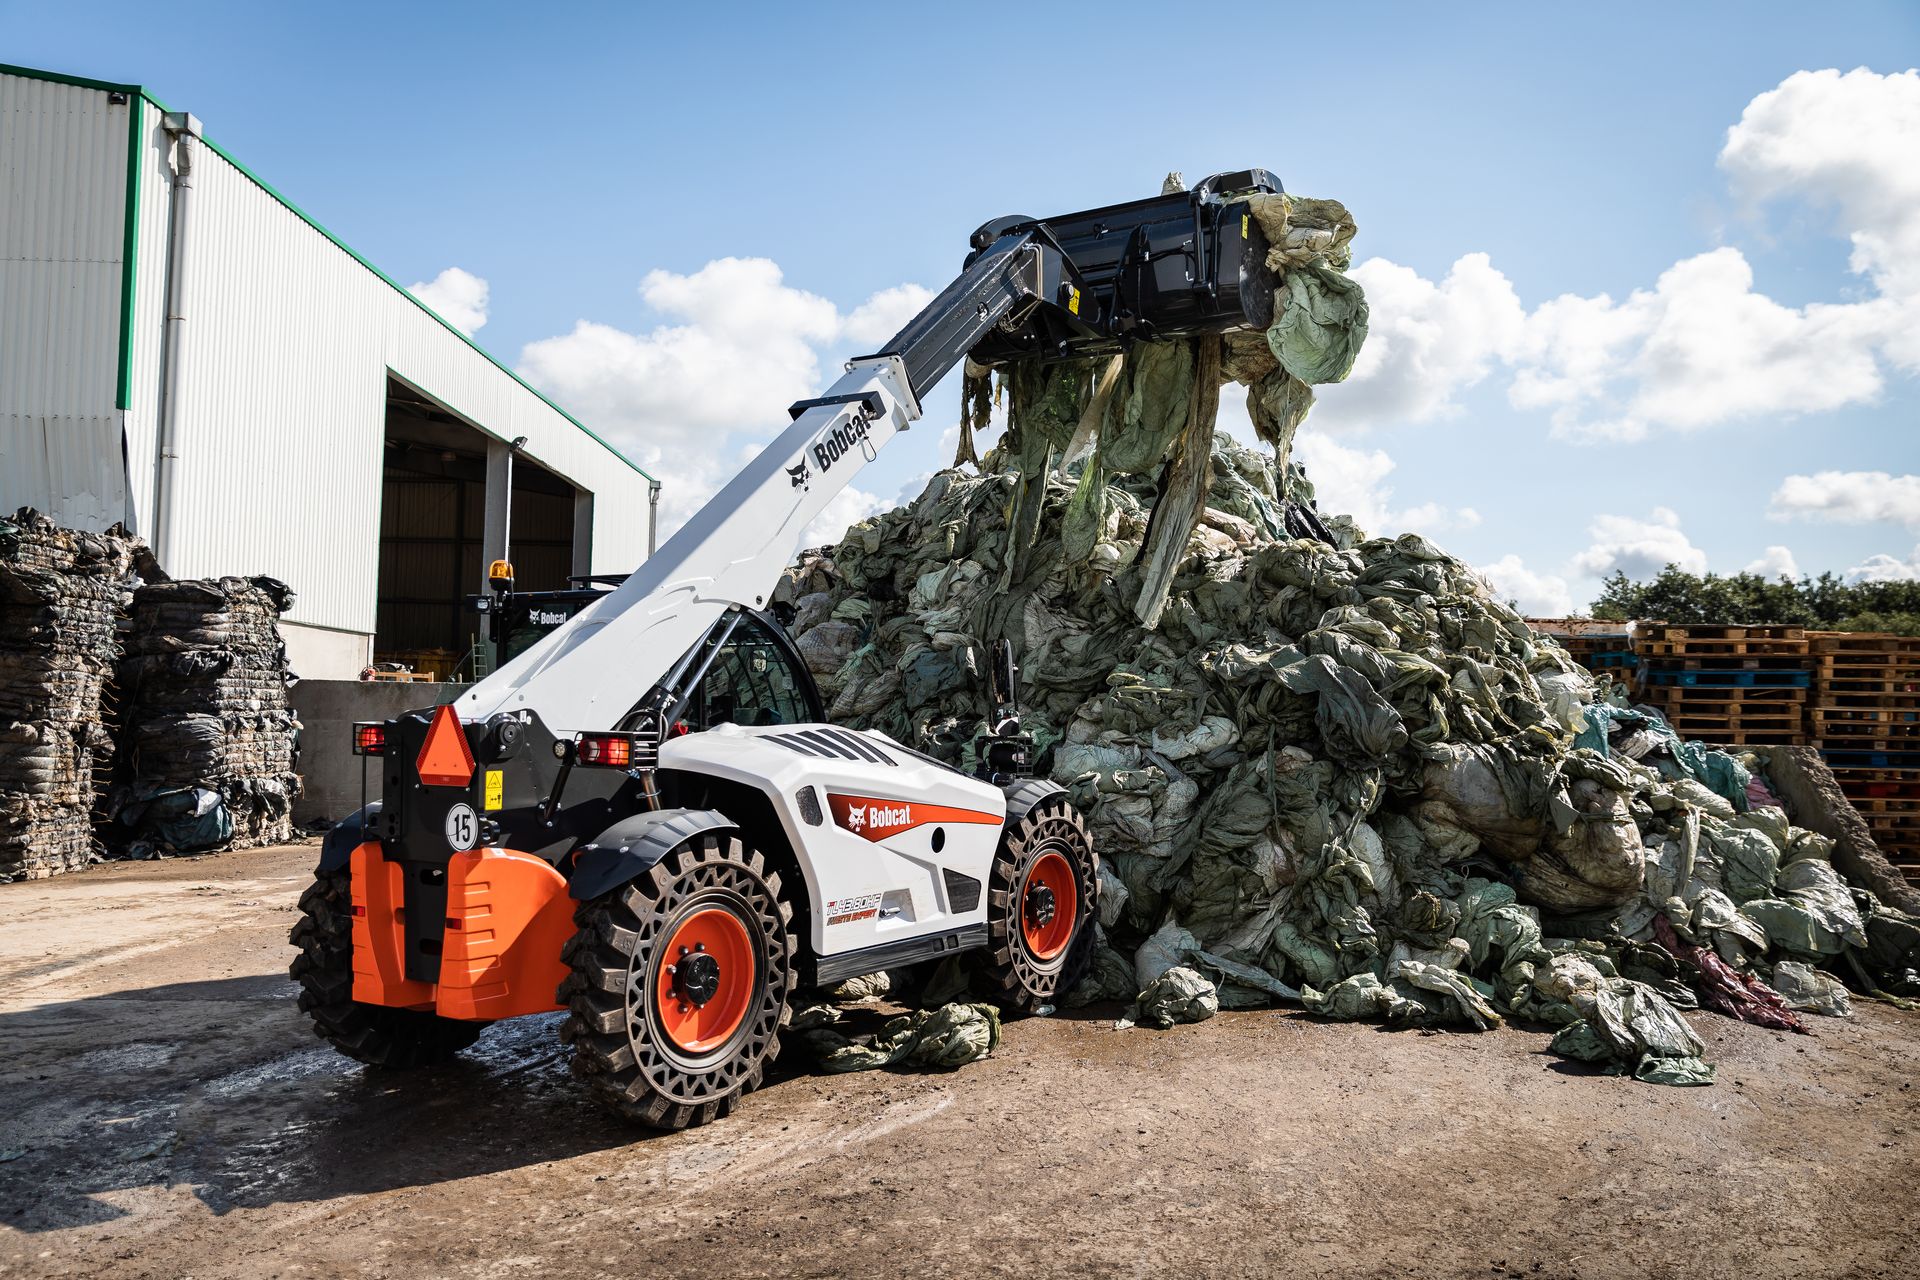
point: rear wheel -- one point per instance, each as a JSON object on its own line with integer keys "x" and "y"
{"x": 371, "y": 1033}
{"x": 679, "y": 984}
{"x": 1041, "y": 900}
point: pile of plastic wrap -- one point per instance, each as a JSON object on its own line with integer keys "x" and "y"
{"x": 63, "y": 596}
{"x": 210, "y": 738}
{"x": 1345, "y": 776}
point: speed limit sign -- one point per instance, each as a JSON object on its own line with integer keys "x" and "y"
{"x": 463, "y": 828}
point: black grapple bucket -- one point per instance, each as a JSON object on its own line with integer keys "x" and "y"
{"x": 1170, "y": 266}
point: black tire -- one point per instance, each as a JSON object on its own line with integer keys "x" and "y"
{"x": 621, "y": 1045}
{"x": 380, "y": 1037}
{"x": 1015, "y": 977}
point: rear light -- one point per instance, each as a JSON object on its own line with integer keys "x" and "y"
{"x": 607, "y": 750}
{"x": 369, "y": 739}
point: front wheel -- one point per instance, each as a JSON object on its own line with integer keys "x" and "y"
{"x": 679, "y": 983}
{"x": 1041, "y": 901}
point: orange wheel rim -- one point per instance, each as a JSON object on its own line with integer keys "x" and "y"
{"x": 705, "y": 985}
{"x": 1049, "y": 906}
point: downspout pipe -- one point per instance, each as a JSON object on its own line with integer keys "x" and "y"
{"x": 653, "y": 514}
{"x": 184, "y": 129}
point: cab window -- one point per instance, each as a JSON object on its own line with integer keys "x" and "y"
{"x": 749, "y": 683}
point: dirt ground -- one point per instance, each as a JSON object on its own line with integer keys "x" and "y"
{"x": 167, "y": 1113}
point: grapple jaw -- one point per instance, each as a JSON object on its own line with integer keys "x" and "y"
{"x": 1170, "y": 266}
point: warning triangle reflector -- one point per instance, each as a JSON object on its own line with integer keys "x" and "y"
{"x": 445, "y": 758}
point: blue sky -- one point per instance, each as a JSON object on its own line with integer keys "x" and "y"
{"x": 563, "y": 157}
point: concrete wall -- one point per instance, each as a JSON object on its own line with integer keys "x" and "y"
{"x": 319, "y": 653}
{"x": 327, "y": 711}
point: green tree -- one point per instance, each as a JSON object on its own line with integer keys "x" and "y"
{"x": 1827, "y": 602}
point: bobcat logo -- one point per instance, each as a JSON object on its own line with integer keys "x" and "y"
{"x": 856, "y": 818}
{"x": 799, "y": 473}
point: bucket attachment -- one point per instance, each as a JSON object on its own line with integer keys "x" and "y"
{"x": 1171, "y": 266}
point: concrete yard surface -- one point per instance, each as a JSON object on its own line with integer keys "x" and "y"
{"x": 168, "y": 1113}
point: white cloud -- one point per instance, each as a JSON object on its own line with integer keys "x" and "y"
{"x": 1699, "y": 349}
{"x": 1703, "y": 346}
{"x": 1537, "y": 595}
{"x": 1426, "y": 342}
{"x": 1849, "y": 497}
{"x": 1847, "y": 141}
{"x": 1775, "y": 562}
{"x": 885, "y": 313}
{"x": 738, "y": 346}
{"x": 1886, "y": 568}
{"x": 1351, "y": 482}
{"x": 1639, "y": 548}
{"x": 844, "y": 510}
{"x": 458, "y": 297}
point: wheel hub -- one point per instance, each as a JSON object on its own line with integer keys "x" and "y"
{"x": 696, "y": 976}
{"x": 1040, "y": 906}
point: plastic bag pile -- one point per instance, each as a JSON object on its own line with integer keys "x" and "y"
{"x": 63, "y": 594}
{"x": 210, "y": 735}
{"x": 1344, "y": 776}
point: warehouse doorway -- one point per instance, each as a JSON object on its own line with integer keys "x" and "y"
{"x": 433, "y": 529}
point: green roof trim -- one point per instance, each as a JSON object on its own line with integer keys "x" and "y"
{"x": 130, "y": 249}
{"x": 126, "y": 344}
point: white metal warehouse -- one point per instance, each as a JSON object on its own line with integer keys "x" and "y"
{"x": 184, "y": 350}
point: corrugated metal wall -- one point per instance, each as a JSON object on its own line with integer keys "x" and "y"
{"x": 63, "y": 176}
{"x": 284, "y": 399}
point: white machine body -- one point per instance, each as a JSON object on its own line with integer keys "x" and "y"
{"x": 894, "y": 847}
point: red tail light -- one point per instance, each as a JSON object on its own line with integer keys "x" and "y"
{"x": 369, "y": 739}
{"x": 606, "y": 749}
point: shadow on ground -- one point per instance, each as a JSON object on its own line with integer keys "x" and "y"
{"x": 221, "y": 1086}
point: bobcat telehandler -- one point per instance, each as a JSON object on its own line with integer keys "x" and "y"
{"x": 641, "y": 821}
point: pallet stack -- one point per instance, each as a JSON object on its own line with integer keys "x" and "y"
{"x": 1602, "y": 648}
{"x": 1865, "y": 718}
{"x": 1737, "y": 686}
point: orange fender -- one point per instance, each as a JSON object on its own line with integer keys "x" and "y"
{"x": 508, "y": 915}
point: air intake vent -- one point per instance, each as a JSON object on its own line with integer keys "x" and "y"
{"x": 963, "y": 892}
{"x": 834, "y": 744}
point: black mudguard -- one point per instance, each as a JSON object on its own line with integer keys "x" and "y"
{"x": 633, "y": 845}
{"x": 1026, "y": 793}
{"x": 346, "y": 836}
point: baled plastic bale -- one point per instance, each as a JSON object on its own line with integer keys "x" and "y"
{"x": 1806, "y": 988}
{"x": 1319, "y": 325}
{"x": 1688, "y": 1072}
{"x": 1496, "y": 795}
{"x": 1469, "y": 1003}
{"x": 1168, "y": 948}
{"x": 1360, "y": 998}
{"x": 868, "y": 986}
{"x": 1817, "y": 887}
{"x": 1109, "y": 976}
{"x": 1598, "y": 861}
{"x": 944, "y": 1038}
{"x": 1356, "y": 724}
{"x": 1748, "y": 858}
{"x": 1176, "y": 996}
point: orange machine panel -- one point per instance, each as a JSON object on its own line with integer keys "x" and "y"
{"x": 379, "y": 942}
{"x": 508, "y": 915}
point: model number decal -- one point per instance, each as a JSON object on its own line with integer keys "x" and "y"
{"x": 847, "y": 910}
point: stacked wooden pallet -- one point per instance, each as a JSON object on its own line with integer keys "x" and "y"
{"x": 1600, "y": 647}
{"x": 1865, "y": 718}
{"x": 1740, "y": 686}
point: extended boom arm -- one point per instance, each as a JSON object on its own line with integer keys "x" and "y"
{"x": 1167, "y": 267}
{"x": 590, "y": 672}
